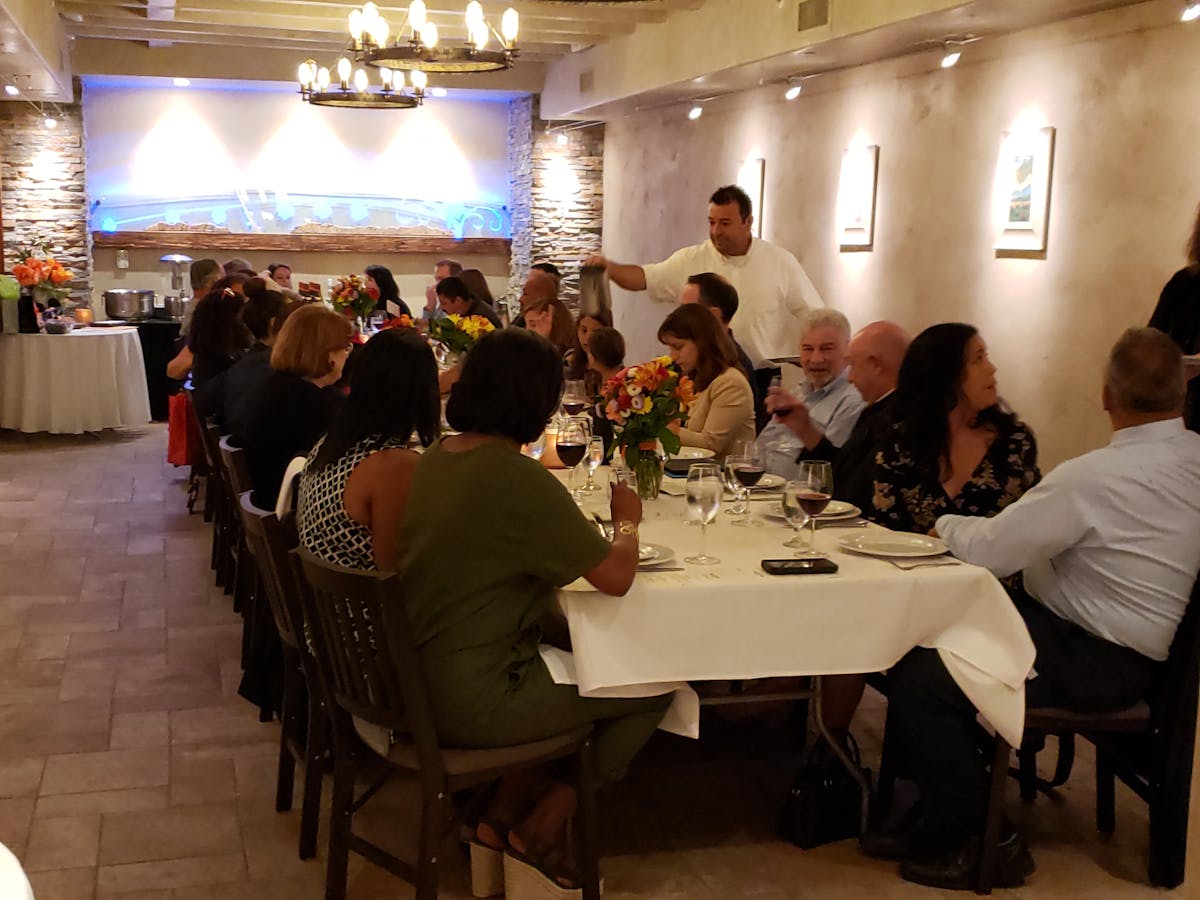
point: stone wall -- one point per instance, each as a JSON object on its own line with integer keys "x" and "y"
{"x": 558, "y": 196}
{"x": 43, "y": 197}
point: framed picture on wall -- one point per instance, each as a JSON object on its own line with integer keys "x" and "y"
{"x": 750, "y": 177}
{"x": 856, "y": 199}
{"x": 1021, "y": 201}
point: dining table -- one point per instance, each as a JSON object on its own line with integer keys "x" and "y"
{"x": 680, "y": 624}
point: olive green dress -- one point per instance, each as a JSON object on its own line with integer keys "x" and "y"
{"x": 488, "y": 537}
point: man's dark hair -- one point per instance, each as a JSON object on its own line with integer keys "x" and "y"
{"x": 549, "y": 268}
{"x": 454, "y": 288}
{"x": 731, "y": 193}
{"x": 1145, "y": 372}
{"x": 511, "y": 384}
{"x": 717, "y": 293}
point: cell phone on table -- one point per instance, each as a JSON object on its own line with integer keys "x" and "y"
{"x": 815, "y": 566}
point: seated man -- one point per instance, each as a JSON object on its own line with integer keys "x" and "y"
{"x": 832, "y": 401}
{"x": 711, "y": 290}
{"x": 1107, "y": 544}
{"x": 454, "y": 299}
{"x": 543, "y": 283}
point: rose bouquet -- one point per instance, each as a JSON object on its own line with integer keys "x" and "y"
{"x": 45, "y": 275}
{"x": 643, "y": 402}
{"x": 458, "y": 334}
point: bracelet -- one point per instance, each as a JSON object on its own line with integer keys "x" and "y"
{"x": 627, "y": 527}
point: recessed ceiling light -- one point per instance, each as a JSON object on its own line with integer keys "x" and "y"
{"x": 793, "y": 92}
{"x": 183, "y": 82}
{"x": 695, "y": 112}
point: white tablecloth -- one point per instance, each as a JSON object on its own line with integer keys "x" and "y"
{"x": 87, "y": 380}
{"x": 733, "y": 621}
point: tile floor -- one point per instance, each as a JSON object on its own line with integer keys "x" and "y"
{"x": 130, "y": 768}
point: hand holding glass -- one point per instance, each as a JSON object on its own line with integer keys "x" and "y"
{"x": 704, "y": 490}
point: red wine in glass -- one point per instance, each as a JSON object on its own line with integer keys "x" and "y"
{"x": 574, "y": 407}
{"x": 571, "y": 453}
{"x": 812, "y": 502}
{"x": 748, "y": 476}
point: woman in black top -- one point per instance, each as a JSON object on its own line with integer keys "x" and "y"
{"x": 263, "y": 315}
{"x": 298, "y": 400}
{"x": 1178, "y": 315}
{"x": 380, "y": 278}
{"x": 217, "y": 339}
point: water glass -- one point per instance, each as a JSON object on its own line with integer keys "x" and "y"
{"x": 704, "y": 490}
{"x": 794, "y": 512}
{"x": 593, "y": 461}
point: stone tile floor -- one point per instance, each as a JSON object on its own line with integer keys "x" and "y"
{"x": 130, "y": 768}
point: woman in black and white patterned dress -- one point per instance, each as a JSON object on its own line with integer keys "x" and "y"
{"x": 354, "y": 487}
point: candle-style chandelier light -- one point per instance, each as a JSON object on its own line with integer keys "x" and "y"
{"x": 418, "y": 44}
{"x": 354, "y": 90}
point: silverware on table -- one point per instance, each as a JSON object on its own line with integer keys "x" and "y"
{"x": 908, "y": 565}
{"x": 842, "y": 523}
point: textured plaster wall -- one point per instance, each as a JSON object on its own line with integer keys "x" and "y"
{"x": 1123, "y": 92}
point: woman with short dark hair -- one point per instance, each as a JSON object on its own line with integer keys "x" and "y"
{"x": 476, "y": 586}
{"x": 723, "y": 412}
{"x": 381, "y": 278}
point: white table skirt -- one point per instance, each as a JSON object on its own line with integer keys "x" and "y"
{"x": 87, "y": 380}
{"x": 733, "y": 621}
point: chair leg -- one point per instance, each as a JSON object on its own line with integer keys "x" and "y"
{"x": 338, "y": 864}
{"x": 1027, "y": 763}
{"x": 995, "y": 816}
{"x": 314, "y": 770}
{"x": 285, "y": 780}
{"x": 1066, "y": 759}
{"x": 1106, "y": 794}
{"x": 589, "y": 855}
{"x": 434, "y": 803}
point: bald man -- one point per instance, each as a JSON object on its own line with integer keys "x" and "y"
{"x": 874, "y": 358}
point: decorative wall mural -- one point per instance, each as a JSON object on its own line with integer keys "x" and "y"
{"x": 1022, "y": 192}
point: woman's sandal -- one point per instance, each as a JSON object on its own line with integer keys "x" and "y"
{"x": 540, "y": 874}
{"x": 487, "y": 862}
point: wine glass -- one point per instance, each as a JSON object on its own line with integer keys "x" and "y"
{"x": 574, "y": 397}
{"x": 572, "y": 441}
{"x": 744, "y": 469}
{"x": 816, "y": 490}
{"x": 704, "y": 490}
{"x": 796, "y": 516}
{"x": 594, "y": 459}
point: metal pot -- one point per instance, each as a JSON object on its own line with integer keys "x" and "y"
{"x": 174, "y": 308}
{"x": 128, "y": 304}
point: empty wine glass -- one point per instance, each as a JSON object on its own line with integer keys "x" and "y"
{"x": 816, "y": 490}
{"x": 794, "y": 512}
{"x": 594, "y": 459}
{"x": 574, "y": 397}
{"x": 704, "y": 490}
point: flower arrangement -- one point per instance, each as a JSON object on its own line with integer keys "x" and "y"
{"x": 46, "y": 274}
{"x": 643, "y": 402}
{"x": 458, "y": 334}
{"x": 401, "y": 321}
{"x": 353, "y": 298}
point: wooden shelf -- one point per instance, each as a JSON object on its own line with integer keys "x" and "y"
{"x": 299, "y": 243}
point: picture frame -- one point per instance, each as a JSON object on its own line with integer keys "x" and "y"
{"x": 751, "y": 177}
{"x": 1022, "y": 193}
{"x": 857, "y": 189}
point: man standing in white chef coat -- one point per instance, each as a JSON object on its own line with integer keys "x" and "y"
{"x": 773, "y": 289}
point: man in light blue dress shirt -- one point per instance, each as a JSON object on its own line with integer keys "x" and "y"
{"x": 832, "y": 401}
{"x": 1109, "y": 545}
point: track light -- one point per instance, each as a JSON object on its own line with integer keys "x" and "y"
{"x": 695, "y": 112}
{"x": 793, "y": 92}
{"x": 951, "y": 58}
{"x": 562, "y": 139}
{"x": 1191, "y": 13}
{"x": 51, "y": 122}
{"x": 12, "y": 90}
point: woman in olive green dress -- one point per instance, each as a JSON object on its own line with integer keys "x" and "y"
{"x": 488, "y": 537}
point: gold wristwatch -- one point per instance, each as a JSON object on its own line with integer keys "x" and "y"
{"x": 627, "y": 527}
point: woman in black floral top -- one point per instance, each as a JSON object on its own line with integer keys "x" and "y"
{"x": 956, "y": 449}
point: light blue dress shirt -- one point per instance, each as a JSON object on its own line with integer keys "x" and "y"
{"x": 1109, "y": 540}
{"x": 835, "y": 407}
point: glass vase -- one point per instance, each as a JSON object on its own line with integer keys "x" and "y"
{"x": 648, "y": 472}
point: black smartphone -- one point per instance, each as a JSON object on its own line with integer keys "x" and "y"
{"x": 799, "y": 566}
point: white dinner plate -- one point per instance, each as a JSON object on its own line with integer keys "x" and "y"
{"x": 650, "y": 555}
{"x": 693, "y": 453}
{"x": 769, "y": 482}
{"x": 840, "y": 509}
{"x": 893, "y": 544}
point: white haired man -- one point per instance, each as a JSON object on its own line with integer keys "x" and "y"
{"x": 832, "y": 402}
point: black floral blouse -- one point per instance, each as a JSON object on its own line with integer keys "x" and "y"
{"x": 909, "y": 499}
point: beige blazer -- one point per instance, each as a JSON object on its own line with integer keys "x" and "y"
{"x": 722, "y": 414}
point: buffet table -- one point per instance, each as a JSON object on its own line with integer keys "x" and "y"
{"x": 733, "y": 621}
{"x": 87, "y": 380}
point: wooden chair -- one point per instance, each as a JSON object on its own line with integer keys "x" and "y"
{"x": 200, "y": 471}
{"x": 216, "y": 497}
{"x": 304, "y": 738}
{"x": 1148, "y": 746}
{"x": 374, "y": 678}
{"x": 236, "y": 480}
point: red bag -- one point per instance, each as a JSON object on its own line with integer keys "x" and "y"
{"x": 184, "y": 444}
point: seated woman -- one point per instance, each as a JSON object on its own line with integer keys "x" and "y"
{"x": 264, "y": 314}
{"x": 354, "y": 487}
{"x": 605, "y": 358}
{"x": 381, "y": 278}
{"x": 477, "y": 286}
{"x": 217, "y": 339}
{"x": 476, "y": 624}
{"x": 585, "y": 327}
{"x": 552, "y": 320}
{"x": 723, "y": 412}
{"x": 298, "y": 400}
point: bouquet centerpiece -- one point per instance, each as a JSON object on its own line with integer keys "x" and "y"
{"x": 353, "y": 298}
{"x": 643, "y": 402}
{"x": 45, "y": 275}
{"x": 458, "y": 334}
{"x": 401, "y": 321}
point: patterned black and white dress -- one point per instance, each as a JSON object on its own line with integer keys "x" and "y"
{"x": 326, "y": 529}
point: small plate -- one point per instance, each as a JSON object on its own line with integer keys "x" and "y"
{"x": 893, "y": 545}
{"x": 840, "y": 509}
{"x": 769, "y": 482}
{"x": 693, "y": 453}
{"x": 650, "y": 555}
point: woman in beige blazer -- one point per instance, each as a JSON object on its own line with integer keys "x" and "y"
{"x": 724, "y": 409}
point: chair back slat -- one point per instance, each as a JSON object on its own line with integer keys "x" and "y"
{"x": 236, "y": 470}
{"x": 267, "y": 539}
{"x": 364, "y": 649}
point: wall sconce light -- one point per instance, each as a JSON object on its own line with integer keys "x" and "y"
{"x": 953, "y": 54}
{"x": 793, "y": 91}
{"x": 1191, "y": 13}
{"x": 695, "y": 112}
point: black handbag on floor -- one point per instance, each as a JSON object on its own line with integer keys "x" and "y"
{"x": 825, "y": 802}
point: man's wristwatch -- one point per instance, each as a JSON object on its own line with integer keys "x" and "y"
{"x": 627, "y": 527}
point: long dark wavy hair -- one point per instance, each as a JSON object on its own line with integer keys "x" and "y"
{"x": 930, "y": 386}
{"x": 393, "y": 392}
{"x": 388, "y": 289}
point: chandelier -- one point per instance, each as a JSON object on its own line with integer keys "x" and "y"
{"x": 354, "y": 90}
{"x": 420, "y": 49}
